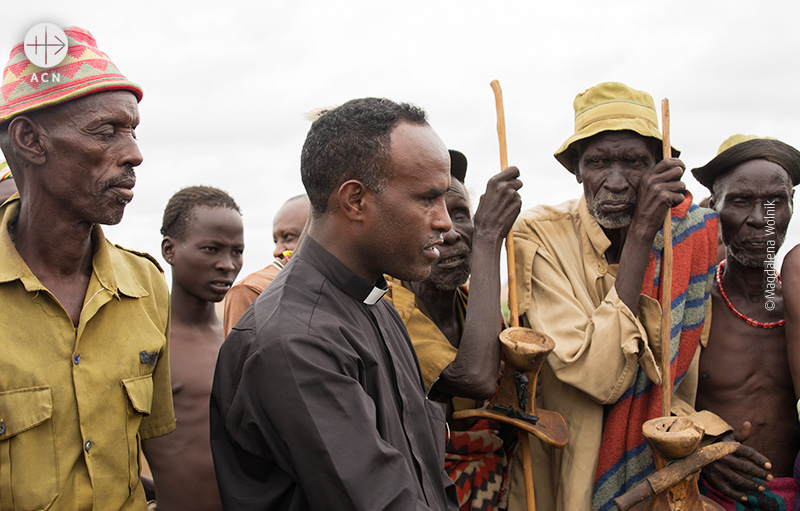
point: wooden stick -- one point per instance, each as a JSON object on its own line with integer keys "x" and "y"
{"x": 666, "y": 281}
{"x": 513, "y": 306}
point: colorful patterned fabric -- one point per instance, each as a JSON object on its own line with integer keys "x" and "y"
{"x": 5, "y": 173}
{"x": 478, "y": 465}
{"x": 624, "y": 457}
{"x": 85, "y": 70}
{"x": 780, "y": 495}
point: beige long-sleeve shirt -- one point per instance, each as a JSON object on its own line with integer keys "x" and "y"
{"x": 566, "y": 289}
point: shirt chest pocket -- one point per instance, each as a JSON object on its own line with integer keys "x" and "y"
{"x": 28, "y": 464}
{"x": 140, "y": 400}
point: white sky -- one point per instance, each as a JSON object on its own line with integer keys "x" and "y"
{"x": 227, "y": 84}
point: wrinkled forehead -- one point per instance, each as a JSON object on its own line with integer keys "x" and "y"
{"x": 612, "y": 142}
{"x": 118, "y": 107}
{"x": 458, "y": 190}
{"x": 457, "y": 197}
{"x": 754, "y": 177}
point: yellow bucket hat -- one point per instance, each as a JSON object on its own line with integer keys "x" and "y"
{"x": 610, "y": 106}
{"x": 741, "y": 148}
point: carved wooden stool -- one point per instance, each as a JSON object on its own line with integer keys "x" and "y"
{"x": 673, "y": 487}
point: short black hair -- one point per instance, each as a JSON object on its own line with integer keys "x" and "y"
{"x": 180, "y": 206}
{"x": 352, "y": 141}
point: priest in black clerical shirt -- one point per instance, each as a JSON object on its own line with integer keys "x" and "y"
{"x": 318, "y": 400}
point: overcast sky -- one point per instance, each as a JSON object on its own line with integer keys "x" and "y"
{"x": 227, "y": 84}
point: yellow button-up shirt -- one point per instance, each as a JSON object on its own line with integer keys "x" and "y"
{"x": 75, "y": 402}
{"x": 432, "y": 348}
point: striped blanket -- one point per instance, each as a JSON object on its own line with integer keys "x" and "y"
{"x": 779, "y": 495}
{"x": 624, "y": 458}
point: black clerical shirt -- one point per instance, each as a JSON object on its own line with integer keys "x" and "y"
{"x": 318, "y": 400}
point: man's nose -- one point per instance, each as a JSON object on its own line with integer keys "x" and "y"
{"x": 758, "y": 215}
{"x": 225, "y": 262}
{"x": 441, "y": 219}
{"x": 130, "y": 155}
{"x": 452, "y": 236}
{"x": 616, "y": 182}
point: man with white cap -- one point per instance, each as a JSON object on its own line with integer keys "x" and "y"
{"x": 84, "y": 364}
{"x": 588, "y": 275}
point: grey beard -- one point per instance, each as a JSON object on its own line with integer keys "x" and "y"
{"x": 617, "y": 222}
{"x": 451, "y": 284}
{"x": 750, "y": 262}
{"x": 747, "y": 262}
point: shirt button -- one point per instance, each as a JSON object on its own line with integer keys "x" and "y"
{"x": 601, "y": 270}
{"x": 87, "y": 445}
{"x": 2, "y": 428}
{"x": 76, "y": 359}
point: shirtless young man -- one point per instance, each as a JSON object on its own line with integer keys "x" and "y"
{"x": 744, "y": 373}
{"x": 203, "y": 242}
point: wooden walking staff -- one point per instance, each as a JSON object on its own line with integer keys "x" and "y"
{"x": 525, "y": 351}
{"x": 513, "y": 306}
{"x": 674, "y": 441}
{"x": 666, "y": 281}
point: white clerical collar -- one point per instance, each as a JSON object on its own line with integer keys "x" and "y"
{"x": 375, "y": 295}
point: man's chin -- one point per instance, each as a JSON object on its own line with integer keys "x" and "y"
{"x": 416, "y": 274}
{"x": 748, "y": 260}
{"x": 449, "y": 282}
{"x": 613, "y": 221}
{"x": 110, "y": 219}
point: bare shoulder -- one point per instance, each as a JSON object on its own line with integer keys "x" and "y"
{"x": 791, "y": 263}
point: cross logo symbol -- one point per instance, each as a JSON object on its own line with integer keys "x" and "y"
{"x": 45, "y": 45}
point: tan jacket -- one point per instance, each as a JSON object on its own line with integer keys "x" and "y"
{"x": 566, "y": 289}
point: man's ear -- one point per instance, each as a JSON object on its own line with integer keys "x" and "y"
{"x": 711, "y": 202}
{"x": 168, "y": 249}
{"x": 28, "y": 140}
{"x": 576, "y": 157}
{"x": 352, "y": 197}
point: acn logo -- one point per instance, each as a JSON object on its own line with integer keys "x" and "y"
{"x": 45, "y": 45}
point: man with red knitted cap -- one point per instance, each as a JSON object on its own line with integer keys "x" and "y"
{"x": 84, "y": 364}
{"x": 588, "y": 273}
{"x": 745, "y": 376}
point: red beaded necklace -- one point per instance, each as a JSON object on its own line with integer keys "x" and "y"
{"x": 750, "y": 321}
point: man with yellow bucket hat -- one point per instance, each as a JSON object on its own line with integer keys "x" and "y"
{"x": 588, "y": 274}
